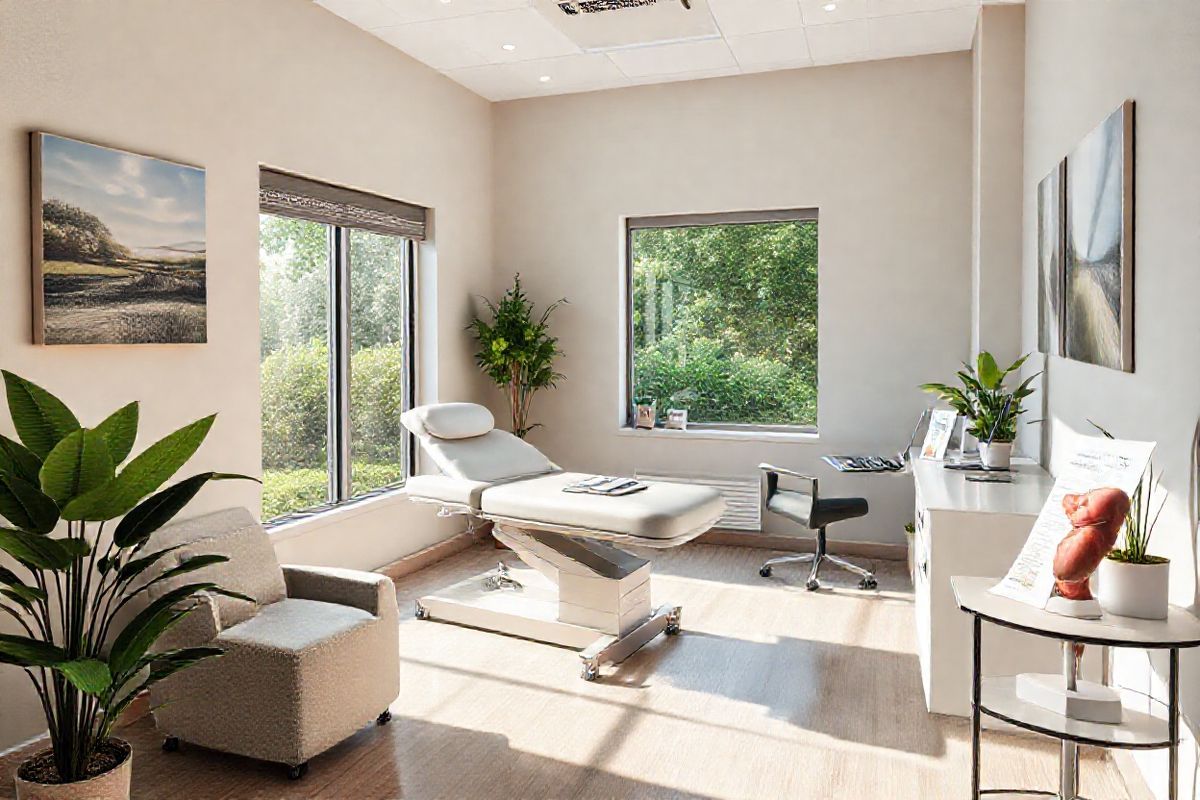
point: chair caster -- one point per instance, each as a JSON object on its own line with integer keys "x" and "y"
{"x": 765, "y": 571}
{"x": 812, "y": 585}
{"x": 868, "y": 583}
{"x": 297, "y": 772}
{"x": 673, "y": 619}
{"x": 590, "y": 672}
{"x": 422, "y": 612}
{"x": 384, "y": 718}
{"x": 171, "y": 744}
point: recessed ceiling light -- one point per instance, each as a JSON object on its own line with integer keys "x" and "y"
{"x": 508, "y": 47}
{"x": 544, "y": 79}
{"x": 827, "y": 6}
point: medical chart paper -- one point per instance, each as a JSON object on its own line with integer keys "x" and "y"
{"x": 1096, "y": 464}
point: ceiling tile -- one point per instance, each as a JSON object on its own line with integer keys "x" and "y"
{"x": 842, "y": 41}
{"x": 434, "y": 43}
{"x": 886, "y": 8}
{"x": 667, "y": 59}
{"x": 772, "y": 49}
{"x": 366, "y": 14}
{"x": 929, "y": 32}
{"x": 740, "y": 17}
{"x": 815, "y": 13}
{"x": 532, "y": 36}
{"x": 426, "y": 10}
{"x": 577, "y": 73}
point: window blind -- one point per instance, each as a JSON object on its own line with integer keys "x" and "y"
{"x": 293, "y": 196}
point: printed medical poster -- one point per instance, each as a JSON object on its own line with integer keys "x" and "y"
{"x": 1098, "y": 463}
{"x": 941, "y": 425}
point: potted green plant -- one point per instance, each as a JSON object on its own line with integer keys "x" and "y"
{"x": 1134, "y": 583}
{"x": 517, "y": 351}
{"x": 990, "y": 409}
{"x": 68, "y": 591}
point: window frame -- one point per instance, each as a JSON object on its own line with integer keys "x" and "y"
{"x": 338, "y": 429}
{"x": 633, "y": 223}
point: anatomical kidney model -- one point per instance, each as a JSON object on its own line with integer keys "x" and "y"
{"x": 1096, "y": 518}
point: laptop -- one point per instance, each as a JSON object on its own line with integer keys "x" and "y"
{"x": 896, "y": 463}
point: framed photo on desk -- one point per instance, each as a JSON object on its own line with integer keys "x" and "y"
{"x": 937, "y": 438}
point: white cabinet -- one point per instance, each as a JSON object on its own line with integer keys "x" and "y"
{"x": 967, "y": 528}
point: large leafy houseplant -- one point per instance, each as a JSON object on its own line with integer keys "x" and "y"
{"x": 72, "y": 590}
{"x": 517, "y": 351}
{"x": 989, "y": 407}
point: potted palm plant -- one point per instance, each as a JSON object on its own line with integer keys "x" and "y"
{"x": 68, "y": 592}
{"x": 1134, "y": 583}
{"x": 990, "y": 409}
{"x": 517, "y": 351}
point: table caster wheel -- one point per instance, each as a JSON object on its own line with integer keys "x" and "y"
{"x": 764, "y": 571}
{"x": 297, "y": 772}
{"x": 171, "y": 744}
{"x": 384, "y": 718}
{"x": 812, "y": 585}
{"x": 422, "y": 612}
{"x": 868, "y": 583}
{"x": 590, "y": 672}
{"x": 672, "y": 628}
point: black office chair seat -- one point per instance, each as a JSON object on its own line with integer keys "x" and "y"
{"x": 813, "y": 512}
{"x": 799, "y": 507}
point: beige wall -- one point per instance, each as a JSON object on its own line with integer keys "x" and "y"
{"x": 226, "y": 85}
{"x": 1084, "y": 57}
{"x": 882, "y": 149}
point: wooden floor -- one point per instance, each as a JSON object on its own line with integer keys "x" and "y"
{"x": 770, "y": 692}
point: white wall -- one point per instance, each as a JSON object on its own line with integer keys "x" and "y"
{"x": 1083, "y": 58}
{"x": 882, "y": 149}
{"x": 227, "y": 85}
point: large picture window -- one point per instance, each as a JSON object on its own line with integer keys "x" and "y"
{"x": 723, "y": 317}
{"x": 336, "y": 369}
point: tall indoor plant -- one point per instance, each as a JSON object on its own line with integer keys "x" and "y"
{"x": 68, "y": 592}
{"x": 517, "y": 351}
{"x": 990, "y": 409}
{"x": 1134, "y": 583}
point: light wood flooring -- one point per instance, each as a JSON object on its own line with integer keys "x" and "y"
{"x": 770, "y": 692}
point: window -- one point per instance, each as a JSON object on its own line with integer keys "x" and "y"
{"x": 723, "y": 317}
{"x": 335, "y": 305}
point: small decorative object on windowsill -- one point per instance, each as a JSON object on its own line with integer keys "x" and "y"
{"x": 676, "y": 419}
{"x": 1134, "y": 583}
{"x": 992, "y": 410}
{"x": 645, "y": 413}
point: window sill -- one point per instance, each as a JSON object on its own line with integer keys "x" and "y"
{"x": 716, "y": 434}
{"x": 290, "y": 529}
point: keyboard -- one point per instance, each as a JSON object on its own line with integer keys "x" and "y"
{"x": 864, "y": 463}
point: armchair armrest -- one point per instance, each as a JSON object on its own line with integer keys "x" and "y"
{"x": 198, "y": 627}
{"x": 373, "y": 593}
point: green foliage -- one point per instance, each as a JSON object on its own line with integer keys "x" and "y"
{"x": 72, "y": 234}
{"x": 68, "y": 611}
{"x": 517, "y": 351}
{"x": 725, "y": 321}
{"x": 1139, "y": 520}
{"x": 287, "y": 490}
{"x": 983, "y": 400}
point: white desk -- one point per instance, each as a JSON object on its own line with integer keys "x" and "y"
{"x": 965, "y": 528}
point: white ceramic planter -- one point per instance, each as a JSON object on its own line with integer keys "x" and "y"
{"x": 997, "y": 455}
{"x": 112, "y": 785}
{"x": 1134, "y": 590}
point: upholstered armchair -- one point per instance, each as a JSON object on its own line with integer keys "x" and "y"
{"x": 307, "y": 665}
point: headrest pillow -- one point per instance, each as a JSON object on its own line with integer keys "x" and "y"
{"x": 449, "y": 420}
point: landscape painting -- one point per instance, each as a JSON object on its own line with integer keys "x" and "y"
{"x": 1099, "y": 256}
{"x": 1050, "y": 201}
{"x": 119, "y": 253}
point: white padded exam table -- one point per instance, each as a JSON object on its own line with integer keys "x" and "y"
{"x": 579, "y": 589}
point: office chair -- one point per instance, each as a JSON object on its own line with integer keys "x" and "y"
{"x": 814, "y": 513}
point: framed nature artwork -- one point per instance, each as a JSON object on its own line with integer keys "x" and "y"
{"x": 1098, "y": 322}
{"x": 1051, "y": 201}
{"x": 119, "y": 253}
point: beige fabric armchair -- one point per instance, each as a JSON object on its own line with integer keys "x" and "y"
{"x": 312, "y": 661}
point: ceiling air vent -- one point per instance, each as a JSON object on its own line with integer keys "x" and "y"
{"x": 632, "y": 23}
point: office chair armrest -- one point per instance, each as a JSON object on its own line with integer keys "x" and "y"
{"x": 781, "y": 471}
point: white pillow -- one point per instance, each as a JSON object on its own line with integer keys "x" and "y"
{"x": 495, "y": 456}
{"x": 449, "y": 420}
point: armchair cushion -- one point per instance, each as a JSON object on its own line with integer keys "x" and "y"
{"x": 292, "y": 626}
{"x": 252, "y": 568}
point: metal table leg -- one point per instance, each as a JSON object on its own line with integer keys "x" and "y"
{"x": 1173, "y": 725}
{"x": 1068, "y": 764}
{"x": 976, "y": 681}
